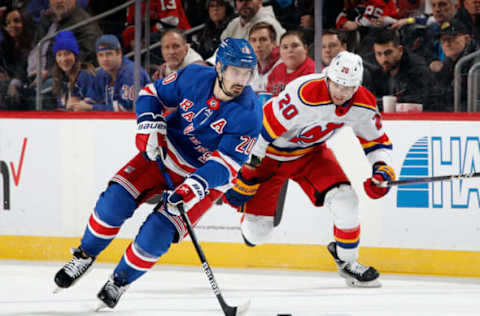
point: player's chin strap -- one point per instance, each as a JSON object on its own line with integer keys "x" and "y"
{"x": 220, "y": 82}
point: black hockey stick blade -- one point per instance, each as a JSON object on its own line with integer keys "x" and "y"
{"x": 430, "y": 179}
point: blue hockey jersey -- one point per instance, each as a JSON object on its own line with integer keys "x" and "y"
{"x": 207, "y": 137}
{"x": 120, "y": 95}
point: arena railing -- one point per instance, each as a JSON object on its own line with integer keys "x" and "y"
{"x": 472, "y": 88}
{"x": 457, "y": 85}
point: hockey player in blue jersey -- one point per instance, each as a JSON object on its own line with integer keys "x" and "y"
{"x": 214, "y": 121}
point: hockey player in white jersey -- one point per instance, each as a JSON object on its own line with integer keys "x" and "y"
{"x": 296, "y": 125}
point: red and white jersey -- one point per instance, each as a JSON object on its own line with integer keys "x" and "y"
{"x": 169, "y": 12}
{"x": 303, "y": 116}
{"x": 370, "y": 9}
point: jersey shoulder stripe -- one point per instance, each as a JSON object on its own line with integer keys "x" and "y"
{"x": 314, "y": 92}
{"x": 365, "y": 99}
{"x": 271, "y": 124}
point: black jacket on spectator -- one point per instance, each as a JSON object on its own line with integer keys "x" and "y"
{"x": 86, "y": 35}
{"x": 208, "y": 39}
{"x": 442, "y": 92}
{"x": 463, "y": 15}
{"x": 410, "y": 85}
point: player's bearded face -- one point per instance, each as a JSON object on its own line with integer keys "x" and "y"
{"x": 235, "y": 79}
{"x": 340, "y": 93}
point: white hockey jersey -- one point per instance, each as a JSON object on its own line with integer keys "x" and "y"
{"x": 303, "y": 117}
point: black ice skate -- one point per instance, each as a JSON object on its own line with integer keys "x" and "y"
{"x": 354, "y": 273}
{"x": 110, "y": 293}
{"x": 73, "y": 270}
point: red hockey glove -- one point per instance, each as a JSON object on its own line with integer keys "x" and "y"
{"x": 190, "y": 192}
{"x": 151, "y": 136}
{"x": 381, "y": 175}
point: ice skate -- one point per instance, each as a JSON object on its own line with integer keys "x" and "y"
{"x": 110, "y": 294}
{"x": 354, "y": 273}
{"x": 72, "y": 271}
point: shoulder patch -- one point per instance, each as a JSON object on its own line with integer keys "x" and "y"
{"x": 170, "y": 78}
{"x": 314, "y": 92}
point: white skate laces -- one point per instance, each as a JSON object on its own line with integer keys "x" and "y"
{"x": 78, "y": 265}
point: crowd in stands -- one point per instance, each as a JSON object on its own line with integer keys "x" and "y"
{"x": 409, "y": 47}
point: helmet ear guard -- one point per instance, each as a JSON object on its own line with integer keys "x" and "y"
{"x": 346, "y": 69}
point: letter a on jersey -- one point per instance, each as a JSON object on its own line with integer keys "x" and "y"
{"x": 219, "y": 125}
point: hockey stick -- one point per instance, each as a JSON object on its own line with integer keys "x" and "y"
{"x": 227, "y": 309}
{"x": 431, "y": 179}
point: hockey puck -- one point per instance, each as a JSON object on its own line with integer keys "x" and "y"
{"x": 284, "y": 314}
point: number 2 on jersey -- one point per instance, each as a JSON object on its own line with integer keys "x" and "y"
{"x": 288, "y": 110}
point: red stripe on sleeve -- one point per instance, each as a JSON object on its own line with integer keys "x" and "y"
{"x": 276, "y": 126}
{"x": 382, "y": 139}
{"x": 233, "y": 171}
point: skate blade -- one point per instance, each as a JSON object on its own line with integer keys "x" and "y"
{"x": 57, "y": 290}
{"x": 101, "y": 306}
{"x": 363, "y": 284}
{"x": 242, "y": 309}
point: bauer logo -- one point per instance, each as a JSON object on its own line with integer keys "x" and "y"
{"x": 437, "y": 156}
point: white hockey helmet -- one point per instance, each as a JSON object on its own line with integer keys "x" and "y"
{"x": 346, "y": 69}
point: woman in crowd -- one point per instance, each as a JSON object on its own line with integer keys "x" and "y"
{"x": 71, "y": 77}
{"x": 220, "y": 12}
{"x": 295, "y": 62}
{"x": 17, "y": 33}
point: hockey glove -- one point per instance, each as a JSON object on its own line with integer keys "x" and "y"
{"x": 151, "y": 136}
{"x": 244, "y": 187}
{"x": 381, "y": 175}
{"x": 189, "y": 193}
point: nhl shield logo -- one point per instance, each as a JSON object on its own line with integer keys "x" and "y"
{"x": 213, "y": 103}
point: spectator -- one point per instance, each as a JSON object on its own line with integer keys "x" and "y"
{"x": 429, "y": 44}
{"x": 220, "y": 12}
{"x": 113, "y": 88}
{"x": 263, "y": 39}
{"x": 38, "y": 8}
{"x": 456, "y": 42}
{"x": 17, "y": 32}
{"x": 333, "y": 42}
{"x": 469, "y": 14}
{"x": 161, "y": 17}
{"x": 177, "y": 54}
{"x": 364, "y": 18}
{"x": 368, "y": 13}
{"x": 396, "y": 71}
{"x": 196, "y": 11}
{"x": 71, "y": 77}
{"x": 408, "y": 8}
{"x": 251, "y": 12}
{"x": 63, "y": 14}
{"x": 295, "y": 62}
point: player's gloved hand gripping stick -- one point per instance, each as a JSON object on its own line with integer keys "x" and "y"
{"x": 375, "y": 185}
{"x": 176, "y": 198}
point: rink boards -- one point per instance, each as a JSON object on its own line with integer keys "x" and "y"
{"x": 53, "y": 166}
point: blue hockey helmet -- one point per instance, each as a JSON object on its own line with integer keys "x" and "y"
{"x": 236, "y": 52}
